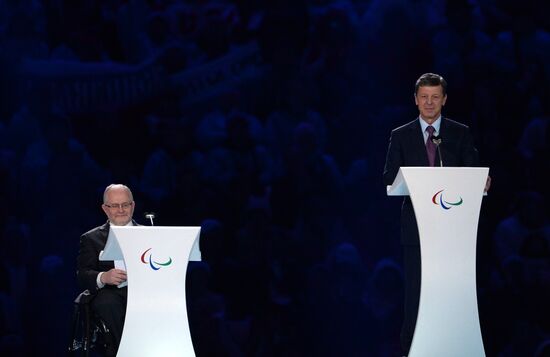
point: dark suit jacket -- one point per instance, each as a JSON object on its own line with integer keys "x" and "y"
{"x": 88, "y": 263}
{"x": 407, "y": 148}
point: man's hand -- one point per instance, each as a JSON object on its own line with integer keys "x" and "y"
{"x": 113, "y": 277}
{"x": 487, "y": 184}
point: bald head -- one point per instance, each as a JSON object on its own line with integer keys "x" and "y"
{"x": 117, "y": 186}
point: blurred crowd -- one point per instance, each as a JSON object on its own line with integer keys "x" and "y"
{"x": 279, "y": 160}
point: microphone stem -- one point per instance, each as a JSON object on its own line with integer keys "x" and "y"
{"x": 440, "y": 158}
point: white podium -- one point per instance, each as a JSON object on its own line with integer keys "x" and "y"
{"x": 156, "y": 263}
{"x": 447, "y": 202}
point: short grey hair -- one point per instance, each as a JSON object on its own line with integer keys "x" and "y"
{"x": 114, "y": 186}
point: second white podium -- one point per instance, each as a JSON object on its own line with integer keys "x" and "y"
{"x": 447, "y": 202}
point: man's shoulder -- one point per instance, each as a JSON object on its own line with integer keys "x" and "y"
{"x": 99, "y": 230}
{"x": 405, "y": 127}
{"x": 454, "y": 124}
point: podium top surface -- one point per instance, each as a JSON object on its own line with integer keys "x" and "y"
{"x": 113, "y": 251}
{"x": 400, "y": 188}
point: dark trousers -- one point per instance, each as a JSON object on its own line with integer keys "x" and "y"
{"x": 412, "y": 270}
{"x": 110, "y": 305}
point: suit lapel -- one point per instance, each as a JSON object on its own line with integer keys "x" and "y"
{"x": 445, "y": 134}
{"x": 104, "y": 232}
{"x": 442, "y": 127}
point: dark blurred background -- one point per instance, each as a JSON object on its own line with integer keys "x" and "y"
{"x": 267, "y": 123}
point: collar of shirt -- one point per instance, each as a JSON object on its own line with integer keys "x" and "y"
{"x": 423, "y": 125}
{"x": 131, "y": 223}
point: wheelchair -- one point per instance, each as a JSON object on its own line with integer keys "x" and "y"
{"x": 89, "y": 335}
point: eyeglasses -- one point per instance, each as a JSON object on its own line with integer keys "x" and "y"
{"x": 124, "y": 205}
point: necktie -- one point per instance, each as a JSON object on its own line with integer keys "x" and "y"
{"x": 430, "y": 146}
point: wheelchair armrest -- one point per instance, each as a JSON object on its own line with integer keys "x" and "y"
{"x": 84, "y": 297}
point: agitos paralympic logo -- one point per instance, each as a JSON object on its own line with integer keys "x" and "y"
{"x": 438, "y": 200}
{"x": 153, "y": 264}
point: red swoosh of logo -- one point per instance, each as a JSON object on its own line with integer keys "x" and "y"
{"x": 143, "y": 256}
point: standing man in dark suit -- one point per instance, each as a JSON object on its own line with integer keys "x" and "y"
{"x": 410, "y": 146}
{"x": 101, "y": 277}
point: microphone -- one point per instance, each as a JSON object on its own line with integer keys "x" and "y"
{"x": 436, "y": 139}
{"x": 150, "y": 216}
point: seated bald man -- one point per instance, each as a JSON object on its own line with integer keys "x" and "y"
{"x": 101, "y": 277}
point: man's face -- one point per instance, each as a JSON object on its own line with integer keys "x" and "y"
{"x": 118, "y": 206}
{"x": 429, "y": 101}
